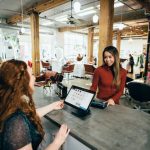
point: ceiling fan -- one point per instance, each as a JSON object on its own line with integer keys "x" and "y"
{"x": 72, "y": 20}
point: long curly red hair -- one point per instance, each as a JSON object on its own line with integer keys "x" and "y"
{"x": 14, "y": 84}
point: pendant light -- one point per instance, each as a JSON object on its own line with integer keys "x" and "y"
{"x": 130, "y": 39}
{"x": 22, "y": 28}
{"x": 77, "y": 6}
{"x": 95, "y": 18}
{"x": 121, "y": 25}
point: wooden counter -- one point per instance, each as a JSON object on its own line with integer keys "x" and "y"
{"x": 115, "y": 128}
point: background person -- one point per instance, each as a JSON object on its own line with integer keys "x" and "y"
{"x": 131, "y": 63}
{"x": 110, "y": 77}
{"x": 79, "y": 57}
{"x": 20, "y": 124}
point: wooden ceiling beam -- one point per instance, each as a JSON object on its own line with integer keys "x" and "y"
{"x": 38, "y": 7}
{"x": 17, "y": 18}
{"x": 128, "y": 30}
{"x": 68, "y": 28}
{"x": 46, "y": 5}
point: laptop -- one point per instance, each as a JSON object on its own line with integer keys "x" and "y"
{"x": 78, "y": 101}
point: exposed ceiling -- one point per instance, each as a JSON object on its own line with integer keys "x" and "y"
{"x": 133, "y": 13}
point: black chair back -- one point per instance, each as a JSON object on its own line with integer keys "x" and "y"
{"x": 139, "y": 91}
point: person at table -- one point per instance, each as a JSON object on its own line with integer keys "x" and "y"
{"x": 20, "y": 124}
{"x": 109, "y": 78}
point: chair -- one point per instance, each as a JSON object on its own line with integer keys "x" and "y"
{"x": 139, "y": 94}
{"x": 89, "y": 69}
{"x": 47, "y": 79}
{"x": 68, "y": 69}
{"x": 128, "y": 79}
{"x": 45, "y": 65}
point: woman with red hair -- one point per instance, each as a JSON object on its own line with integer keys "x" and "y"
{"x": 20, "y": 124}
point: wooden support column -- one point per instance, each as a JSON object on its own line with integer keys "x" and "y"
{"x": 105, "y": 26}
{"x": 118, "y": 41}
{"x": 90, "y": 43}
{"x": 35, "y": 43}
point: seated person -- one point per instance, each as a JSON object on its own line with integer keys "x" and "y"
{"x": 110, "y": 78}
{"x": 69, "y": 62}
{"x": 52, "y": 75}
{"x": 46, "y": 75}
{"x": 20, "y": 122}
{"x": 79, "y": 57}
{"x": 93, "y": 61}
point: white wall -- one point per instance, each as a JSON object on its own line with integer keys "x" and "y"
{"x": 57, "y": 45}
{"x": 135, "y": 47}
{"x": 46, "y": 46}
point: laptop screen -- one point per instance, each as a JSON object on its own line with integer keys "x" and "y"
{"x": 79, "y": 97}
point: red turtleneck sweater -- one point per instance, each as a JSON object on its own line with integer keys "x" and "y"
{"x": 102, "y": 79}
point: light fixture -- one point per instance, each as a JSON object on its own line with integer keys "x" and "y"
{"x": 77, "y": 7}
{"x": 95, "y": 18}
{"x": 130, "y": 39}
{"x": 22, "y": 30}
{"x": 118, "y": 4}
{"x": 121, "y": 25}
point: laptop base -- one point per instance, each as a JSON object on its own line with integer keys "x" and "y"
{"x": 81, "y": 113}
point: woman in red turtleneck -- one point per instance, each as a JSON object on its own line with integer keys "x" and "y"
{"x": 110, "y": 78}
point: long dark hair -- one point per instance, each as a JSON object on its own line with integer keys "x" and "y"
{"x": 116, "y": 66}
{"x": 14, "y": 84}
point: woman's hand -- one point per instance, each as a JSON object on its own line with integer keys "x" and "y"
{"x": 61, "y": 135}
{"x": 110, "y": 102}
{"x": 57, "y": 105}
{"x": 46, "y": 109}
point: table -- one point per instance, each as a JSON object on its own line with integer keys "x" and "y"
{"x": 115, "y": 128}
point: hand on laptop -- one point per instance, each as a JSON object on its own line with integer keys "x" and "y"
{"x": 58, "y": 105}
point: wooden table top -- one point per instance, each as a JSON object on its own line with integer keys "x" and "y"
{"x": 115, "y": 128}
